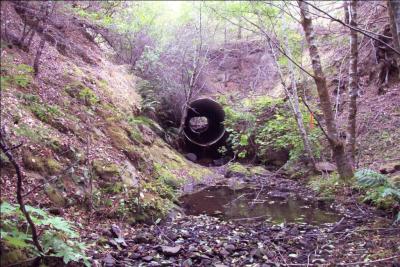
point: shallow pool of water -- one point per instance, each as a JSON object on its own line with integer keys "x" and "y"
{"x": 251, "y": 204}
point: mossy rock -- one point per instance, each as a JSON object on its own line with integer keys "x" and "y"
{"x": 113, "y": 188}
{"x": 53, "y": 167}
{"x": 32, "y": 162}
{"x": 12, "y": 256}
{"x": 395, "y": 180}
{"x": 257, "y": 170}
{"x": 118, "y": 136}
{"x": 105, "y": 170}
{"x": 55, "y": 196}
{"x": 237, "y": 169}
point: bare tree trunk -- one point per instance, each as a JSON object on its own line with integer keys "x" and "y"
{"x": 393, "y": 8}
{"x": 294, "y": 101}
{"x": 338, "y": 149}
{"x": 346, "y": 12}
{"x": 39, "y": 52}
{"x": 353, "y": 84}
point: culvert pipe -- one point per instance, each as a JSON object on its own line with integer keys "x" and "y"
{"x": 210, "y": 132}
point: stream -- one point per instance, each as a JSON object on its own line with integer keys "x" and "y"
{"x": 255, "y": 204}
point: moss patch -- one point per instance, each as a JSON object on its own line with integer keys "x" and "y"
{"x": 55, "y": 196}
{"x": 32, "y": 162}
{"x": 105, "y": 170}
{"x": 52, "y": 166}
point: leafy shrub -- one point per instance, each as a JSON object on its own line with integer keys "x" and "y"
{"x": 18, "y": 75}
{"x": 265, "y": 124}
{"x": 58, "y": 239}
{"x": 327, "y": 187}
{"x": 378, "y": 190}
{"x": 88, "y": 96}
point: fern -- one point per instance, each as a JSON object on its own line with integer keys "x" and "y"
{"x": 394, "y": 192}
{"x": 59, "y": 238}
{"x": 370, "y": 178}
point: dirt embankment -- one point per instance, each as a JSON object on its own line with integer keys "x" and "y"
{"x": 83, "y": 138}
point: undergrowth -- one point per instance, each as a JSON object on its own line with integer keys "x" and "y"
{"x": 263, "y": 124}
{"x": 378, "y": 190}
{"x": 58, "y": 238}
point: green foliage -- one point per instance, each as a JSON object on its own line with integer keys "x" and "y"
{"x": 88, "y": 96}
{"x": 58, "y": 239}
{"x": 370, "y": 178}
{"x": 16, "y": 75}
{"x": 378, "y": 190}
{"x": 326, "y": 187}
{"x": 266, "y": 124}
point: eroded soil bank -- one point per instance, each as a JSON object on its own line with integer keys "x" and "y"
{"x": 269, "y": 221}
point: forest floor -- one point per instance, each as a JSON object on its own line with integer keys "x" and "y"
{"x": 355, "y": 235}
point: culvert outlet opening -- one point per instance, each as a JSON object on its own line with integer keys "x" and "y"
{"x": 204, "y": 122}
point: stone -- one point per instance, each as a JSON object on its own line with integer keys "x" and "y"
{"x": 170, "y": 251}
{"x": 148, "y": 136}
{"x": 191, "y": 157}
{"x": 148, "y": 258}
{"x": 55, "y": 196}
{"x": 108, "y": 261}
{"x": 390, "y": 167}
{"x": 130, "y": 175}
{"x": 325, "y": 166}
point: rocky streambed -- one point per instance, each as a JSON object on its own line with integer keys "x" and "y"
{"x": 262, "y": 220}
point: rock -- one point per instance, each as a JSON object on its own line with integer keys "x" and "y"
{"x": 143, "y": 238}
{"x": 191, "y": 157}
{"x": 55, "y": 196}
{"x": 325, "y": 166}
{"x": 116, "y": 231}
{"x": 108, "y": 261}
{"x": 148, "y": 258}
{"x": 170, "y": 251}
{"x": 221, "y": 161}
{"x": 130, "y": 175}
{"x": 395, "y": 180}
{"x": 148, "y": 135}
{"x": 390, "y": 167}
{"x": 230, "y": 247}
{"x": 187, "y": 263}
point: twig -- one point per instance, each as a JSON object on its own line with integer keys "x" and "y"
{"x": 362, "y": 31}
{"x": 368, "y": 262}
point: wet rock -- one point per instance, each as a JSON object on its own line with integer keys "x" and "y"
{"x": 170, "y": 251}
{"x": 191, "y": 157}
{"x": 325, "y": 166}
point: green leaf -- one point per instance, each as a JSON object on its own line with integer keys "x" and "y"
{"x": 7, "y": 208}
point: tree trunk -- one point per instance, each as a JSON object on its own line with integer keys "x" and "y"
{"x": 338, "y": 149}
{"x": 294, "y": 100}
{"x": 39, "y": 52}
{"x": 393, "y": 8}
{"x": 353, "y": 84}
{"x": 394, "y": 17}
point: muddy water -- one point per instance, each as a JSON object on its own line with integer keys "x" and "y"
{"x": 251, "y": 204}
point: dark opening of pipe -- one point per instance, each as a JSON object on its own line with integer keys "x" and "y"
{"x": 204, "y": 122}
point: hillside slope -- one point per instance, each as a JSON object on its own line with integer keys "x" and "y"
{"x": 79, "y": 121}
